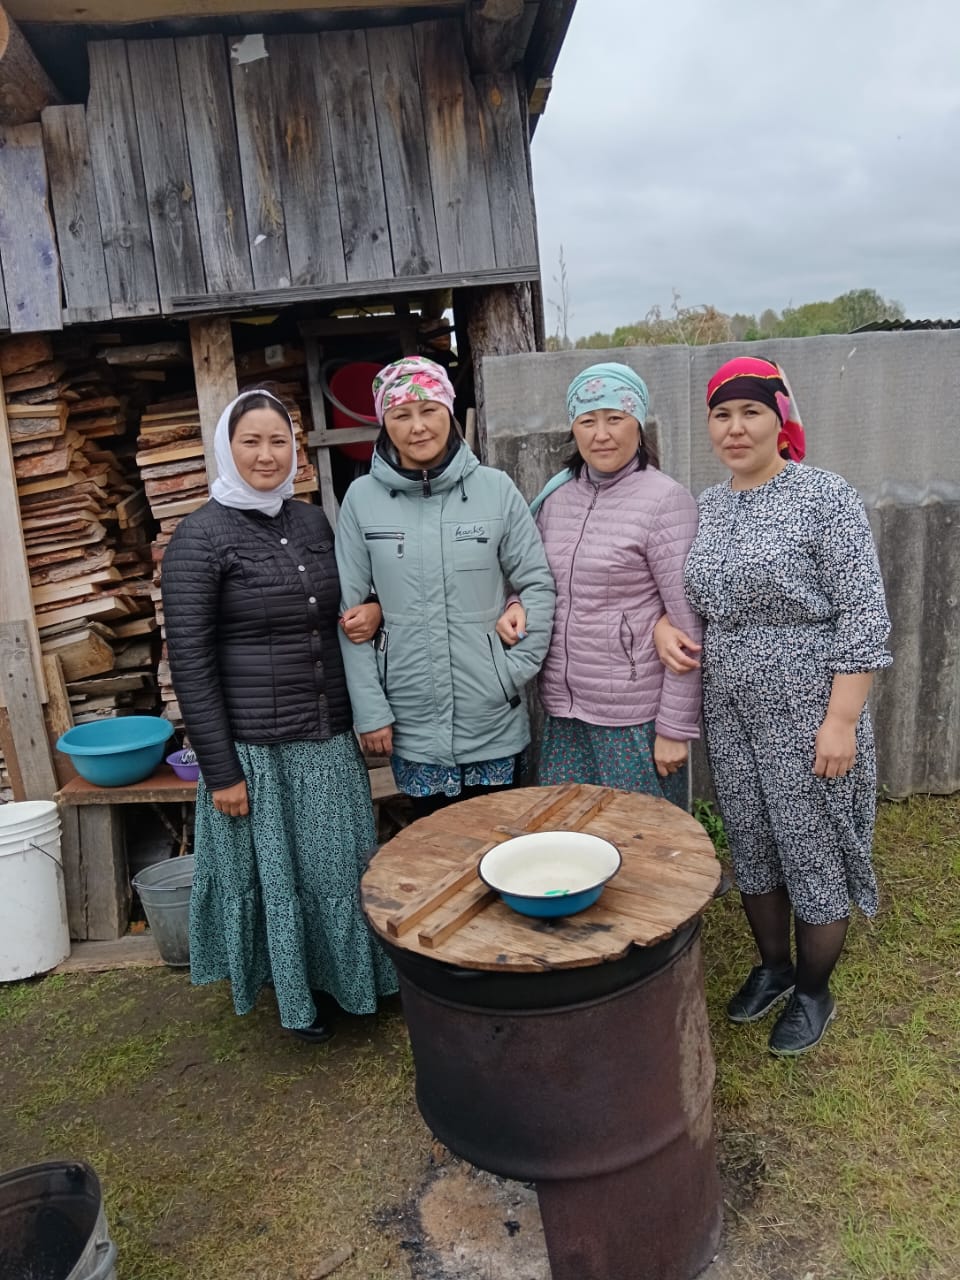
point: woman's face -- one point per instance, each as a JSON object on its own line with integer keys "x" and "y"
{"x": 744, "y": 437}
{"x": 419, "y": 431}
{"x": 607, "y": 438}
{"x": 262, "y": 448}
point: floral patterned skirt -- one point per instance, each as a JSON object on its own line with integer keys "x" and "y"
{"x": 605, "y": 756}
{"x": 276, "y": 894}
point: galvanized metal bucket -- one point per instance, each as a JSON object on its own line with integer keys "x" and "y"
{"x": 53, "y": 1225}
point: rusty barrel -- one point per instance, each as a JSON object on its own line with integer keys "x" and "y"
{"x": 602, "y": 1099}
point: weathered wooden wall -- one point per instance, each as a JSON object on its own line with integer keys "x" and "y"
{"x": 208, "y": 174}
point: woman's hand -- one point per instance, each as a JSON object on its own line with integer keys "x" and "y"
{"x": 836, "y": 747}
{"x": 512, "y": 623}
{"x": 233, "y": 801}
{"x": 674, "y": 647}
{"x": 361, "y": 623}
{"x": 669, "y": 755}
{"x": 379, "y": 742}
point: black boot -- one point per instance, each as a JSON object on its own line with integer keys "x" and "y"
{"x": 321, "y": 1028}
{"x": 761, "y": 991}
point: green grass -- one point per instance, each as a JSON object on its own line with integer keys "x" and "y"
{"x": 229, "y": 1150}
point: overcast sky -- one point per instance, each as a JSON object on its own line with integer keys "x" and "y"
{"x": 752, "y": 154}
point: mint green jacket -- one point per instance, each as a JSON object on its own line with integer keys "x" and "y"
{"x": 439, "y": 563}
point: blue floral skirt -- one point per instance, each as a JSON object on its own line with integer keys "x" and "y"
{"x": 276, "y": 894}
{"x": 574, "y": 751}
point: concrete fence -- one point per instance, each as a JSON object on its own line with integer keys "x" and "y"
{"x": 882, "y": 410}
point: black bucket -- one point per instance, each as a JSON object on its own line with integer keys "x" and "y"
{"x": 52, "y": 1224}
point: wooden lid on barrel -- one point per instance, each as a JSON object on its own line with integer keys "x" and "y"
{"x": 422, "y": 893}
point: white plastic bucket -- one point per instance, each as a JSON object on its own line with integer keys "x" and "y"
{"x": 34, "y": 933}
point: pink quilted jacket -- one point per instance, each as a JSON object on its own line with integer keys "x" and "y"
{"x": 616, "y": 550}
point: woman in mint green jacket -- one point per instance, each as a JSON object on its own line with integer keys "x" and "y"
{"x": 439, "y": 536}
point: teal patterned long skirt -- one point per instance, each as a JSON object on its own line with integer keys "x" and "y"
{"x": 606, "y": 756}
{"x": 276, "y": 894}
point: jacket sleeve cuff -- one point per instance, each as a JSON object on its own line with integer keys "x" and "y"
{"x": 676, "y": 732}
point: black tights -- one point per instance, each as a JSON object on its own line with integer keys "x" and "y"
{"x": 818, "y": 945}
{"x": 424, "y": 805}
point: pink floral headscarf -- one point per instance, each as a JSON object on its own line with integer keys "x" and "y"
{"x": 412, "y": 378}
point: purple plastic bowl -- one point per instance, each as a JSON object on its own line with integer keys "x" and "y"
{"x": 188, "y": 772}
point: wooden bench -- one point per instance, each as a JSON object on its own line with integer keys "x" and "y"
{"x": 94, "y": 848}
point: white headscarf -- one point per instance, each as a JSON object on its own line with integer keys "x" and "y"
{"x": 230, "y": 489}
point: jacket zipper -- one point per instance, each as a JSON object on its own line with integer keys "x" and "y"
{"x": 382, "y": 648}
{"x": 515, "y": 700}
{"x": 566, "y": 625}
{"x": 380, "y": 537}
{"x": 625, "y": 622}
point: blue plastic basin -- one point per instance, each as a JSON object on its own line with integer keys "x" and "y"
{"x": 117, "y": 752}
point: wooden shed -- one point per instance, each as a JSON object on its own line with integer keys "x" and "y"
{"x": 192, "y": 200}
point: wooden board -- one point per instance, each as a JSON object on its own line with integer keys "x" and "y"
{"x": 215, "y": 162}
{"x": 77, "y": 217}
{"x": 260, "y": 147}
{"x": 118, "y": 172}
{"x": 16, "y": 603}
{"x": 403, "y": 151}
{"x": 28, "y": 247}
{"x": 668, "y": 877}
{"x": 166, "y": 166}
{"x": 120, "y": 11}
{"x": 503, "y": 137}
{"x": 22, "y": 695}
{"x": 24, "y": 351}
{"x": 132, "y": 951}
{"x": 307, "y": 179}
{"x": 356, "y": 153}
{"x": 457, "y": 172}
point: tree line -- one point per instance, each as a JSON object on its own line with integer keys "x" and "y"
{"x": 701, "y": 325}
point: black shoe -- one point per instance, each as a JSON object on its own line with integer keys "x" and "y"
{"x": 761, "y": 991}
{"x": 318, "y": 1031}
{"x": 802, "y": 1024}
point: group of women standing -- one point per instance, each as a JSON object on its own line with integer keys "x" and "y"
{"x": 445, "y": 595}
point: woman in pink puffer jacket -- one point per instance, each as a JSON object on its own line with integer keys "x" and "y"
{"x": 616, "y": 532}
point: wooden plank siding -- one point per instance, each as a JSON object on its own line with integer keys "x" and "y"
{"x": 457, "y": 171}
{"x": 260, "y": 147}
{"x": 307, "y": 182}
{"x": 4, "y": 314}
{"x": 403, "y": 152}
{"x": 77, "y": 218}
{"x": 28, "y": 247}
{"x": 166, "y": 166}
{"x": 121, "y": 194}
{"x": 207, "y": 174}
{"x": 356, "y": 155}
{"x": 215, "y": 162}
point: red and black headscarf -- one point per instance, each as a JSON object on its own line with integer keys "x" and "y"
{"x": 747, "y": 378}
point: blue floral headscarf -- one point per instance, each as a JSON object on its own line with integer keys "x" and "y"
{"x": 608, "y": 386}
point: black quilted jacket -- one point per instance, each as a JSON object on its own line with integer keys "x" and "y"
{"x": 250, "y": 604}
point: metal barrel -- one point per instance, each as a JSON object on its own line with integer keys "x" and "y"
{"x": 604, "y": 1103}
{"x": 53, "y": 1224}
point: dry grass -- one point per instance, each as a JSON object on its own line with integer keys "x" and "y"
{"x": 231, "y": 1150}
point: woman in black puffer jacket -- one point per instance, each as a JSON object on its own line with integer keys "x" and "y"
{"x": 284, "y": 819}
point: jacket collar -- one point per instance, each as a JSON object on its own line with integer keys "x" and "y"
{"x": 440, "y": 479}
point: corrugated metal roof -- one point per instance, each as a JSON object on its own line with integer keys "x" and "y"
{"x": 895, "y": 326}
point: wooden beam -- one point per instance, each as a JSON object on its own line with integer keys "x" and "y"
{"x": 122, "y": 11}
{"x": 25, "y": 88}
{"x": 215, "y": 370}
{"x": 209, "y": 302}
{"x": 21, "y": 696}
{"x": 500, "y": 322}
{"x": 16, "y": 601}
{"x": 496, "y": 32}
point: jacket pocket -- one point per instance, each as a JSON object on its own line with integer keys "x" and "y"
{"x": 259, "y": 568}
{"x": 474, "y": 553}
{"x": 396, "y": 536}
{"x": 500, "y": 670}
{"x": 382, "y": 645}
{"x": 628, "y": 644}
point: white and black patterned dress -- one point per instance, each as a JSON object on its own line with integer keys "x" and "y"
{"x": 787, "y": 578}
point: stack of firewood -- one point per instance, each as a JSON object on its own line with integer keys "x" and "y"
{"x": 82, "y": 513}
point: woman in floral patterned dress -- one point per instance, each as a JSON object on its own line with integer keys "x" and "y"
{"x": 785, "y": 573}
